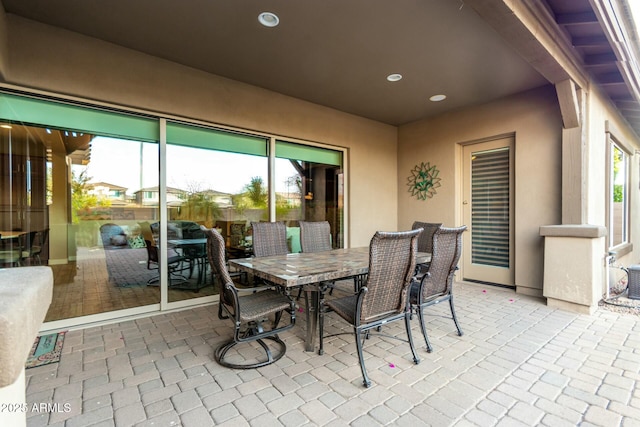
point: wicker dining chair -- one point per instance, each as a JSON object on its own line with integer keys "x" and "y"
{"x": 315, "y": 236}
{"x": 437, "y": 284}
{"x": 269, "y": 238}
{"x": 247, "y": 312}
{"x": 383, "y": 298}
{"x": 425, "y": 241}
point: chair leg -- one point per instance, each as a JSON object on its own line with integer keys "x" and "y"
{"x": 407, "y": 324}
{"x": 453, "y": 314}
{"x": 365, "y": 378}
{"x": 420, "y": 311}
{"x": 320, "y": 328}
{"x": 276, "y": 321}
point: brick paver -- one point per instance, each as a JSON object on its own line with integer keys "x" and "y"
{"x": 519, "y": 363}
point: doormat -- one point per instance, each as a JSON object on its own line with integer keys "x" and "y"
{"x": 46, "y": 349}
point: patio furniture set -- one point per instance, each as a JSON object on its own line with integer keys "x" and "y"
{"x": 397, "y": 276}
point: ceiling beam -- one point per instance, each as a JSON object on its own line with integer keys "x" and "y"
{"x": 569, "y": 106}
{"x": 590, "y": 41}
{"x": 610, "y": 78}
{"x": 600, "y": 59}
{"x": 628, "y": 105}
{"x": 577, "y": 18}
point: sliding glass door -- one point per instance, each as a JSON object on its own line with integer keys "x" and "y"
{"x": 309, "y": 187}
{"x": 115, "y": 209}
{"x": 70, "y": 179}
{"x": 217, "y": 179}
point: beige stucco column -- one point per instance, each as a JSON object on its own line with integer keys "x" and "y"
{"x": 573, "y": 266}
{"x": 25, "y": 296}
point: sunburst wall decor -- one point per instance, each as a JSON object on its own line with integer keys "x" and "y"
{"x": 423, "y": 181}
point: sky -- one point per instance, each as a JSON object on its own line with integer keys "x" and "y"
{"x": 118, "y": 162}
{"x": 634, "y": 5}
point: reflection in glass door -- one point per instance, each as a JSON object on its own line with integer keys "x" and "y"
{"x": 74, "y": 200}
{"x": 309, "y": 187}
{"x": 216, "y": 179}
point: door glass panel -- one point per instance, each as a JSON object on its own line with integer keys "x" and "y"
{"x": 209, "y": 184}
{"x": 490, "y": 202}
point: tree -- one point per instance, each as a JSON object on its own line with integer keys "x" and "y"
{"x": 257, "y": 193}
{"x": 81, "y": 200}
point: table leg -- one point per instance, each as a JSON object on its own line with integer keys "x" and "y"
{"x": 311, "y": 310}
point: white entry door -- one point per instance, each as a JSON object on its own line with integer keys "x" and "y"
{"x": 487, "y": 207}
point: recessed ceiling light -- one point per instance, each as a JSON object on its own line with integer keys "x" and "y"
{"x": 437, "y": 98}
{"x": 394, "y": 77}
{"x": 268, "y": 19}
{"x": 5, "y": 126}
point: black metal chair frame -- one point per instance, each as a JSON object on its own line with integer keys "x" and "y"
{"x": 247, "y": 312}
{"x": 444, "y": 263}
{"x": 385, "y": 307}
{"x": 11, "y": 252}
{"x": 174, "y": 265}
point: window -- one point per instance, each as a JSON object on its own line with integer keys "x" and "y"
{"x": 618, "y": 195}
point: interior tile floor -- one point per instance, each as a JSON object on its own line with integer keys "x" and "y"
{"x": 519, "y": 363}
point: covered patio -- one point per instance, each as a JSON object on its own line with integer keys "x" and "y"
{"x": 518, "y": 363}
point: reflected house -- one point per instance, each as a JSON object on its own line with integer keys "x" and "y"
{"x": 116, "y": 194}
{"x": 150, "y": 196}
{"x": 222, "y": 200}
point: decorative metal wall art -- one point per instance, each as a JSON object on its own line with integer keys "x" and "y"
{"x": 423, "y": 181}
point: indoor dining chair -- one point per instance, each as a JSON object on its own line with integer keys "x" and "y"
{"x": 10, "y": 252}
{"x": 249, "y": 313}
{"x": 436, "y": 284}
{"x": 383, "y": 298}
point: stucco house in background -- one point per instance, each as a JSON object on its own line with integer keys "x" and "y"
{"x": 541, "y": 99}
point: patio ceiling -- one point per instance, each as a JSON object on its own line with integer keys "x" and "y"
{"x": 338, "y": 53}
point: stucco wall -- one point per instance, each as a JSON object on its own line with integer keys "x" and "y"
{"x": 534, "y": 118}
{"x": 601, "y": 111}
{"x": 3, "y": 42}
{"x": 58, "y": 61}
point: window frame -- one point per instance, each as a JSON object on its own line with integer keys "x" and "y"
{"x": 613, "y": 142}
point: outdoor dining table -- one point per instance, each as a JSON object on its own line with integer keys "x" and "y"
{"x": 198, "y": 244}
{"x": 311, "y": 269}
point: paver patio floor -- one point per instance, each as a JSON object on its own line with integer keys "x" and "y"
{"x": 519, "y": 362}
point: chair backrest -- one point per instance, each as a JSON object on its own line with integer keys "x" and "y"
{"x": 315, "y": 236}
{"x": 216, "y": 257}
{"x": 392, "y": 261}
{"x": 269, "y": 238}
{"x": 447, "y": 247}
{"x": 425, "y": 241}
{"x": 43, "y": 235}
{"x": 27, "y": 240}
